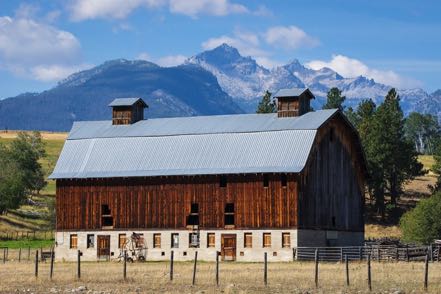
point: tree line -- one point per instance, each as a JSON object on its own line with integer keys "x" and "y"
{"x": 21, "y": 173}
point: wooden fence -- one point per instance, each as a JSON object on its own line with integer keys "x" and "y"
{"x": 376, "y": 252}
{"x": 27, "y": 235}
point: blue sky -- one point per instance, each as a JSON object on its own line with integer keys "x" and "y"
{"x": 395, "y": 42}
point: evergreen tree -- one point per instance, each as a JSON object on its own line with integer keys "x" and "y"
{"x": 335, "y": 99}
{"x": 266, "y": 105}
{"x": 436, "y": 167}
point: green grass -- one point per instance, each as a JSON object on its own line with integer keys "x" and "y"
{"x": 13, "y": 244}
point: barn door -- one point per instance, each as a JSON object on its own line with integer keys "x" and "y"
{"x": 103, "y": 248}
{"x": 228, "y": 247}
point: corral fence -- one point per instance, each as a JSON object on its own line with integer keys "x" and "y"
{"x": 26, "y": 235}
{"x": 375, "y": 252}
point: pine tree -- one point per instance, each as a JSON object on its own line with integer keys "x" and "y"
{"x": 266, "y": 105}
{"x": 335, "y": 99}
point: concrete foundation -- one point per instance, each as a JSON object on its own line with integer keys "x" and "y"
{"x": 276, "y": 252}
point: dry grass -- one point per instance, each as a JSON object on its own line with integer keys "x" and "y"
{"x": 381, "y": 231}
{"x": 152, "y": 277}
{"x": 45, "y": 135}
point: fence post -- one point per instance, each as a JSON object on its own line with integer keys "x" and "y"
{"x": 265, "y": 268}
{"x": 79, "y": 265}
{"x": 341, "y": 254}
{"x": 52, "y": 262}
{"x": 426, "y": 272}
{"x": 347, "y": 270}
{"x": 360, "y": 255}
{"x": 194, "y": 266}
{"x": 407, "y": 253}
{"x": 36, "y": 263}
{"x": 125, "y": 265}
{"x": 217, "y": 268}
{"x": 171, "y": 265}
{"x": 29, "y": 253}
{"x": 19, "y": 254}
{"x": 4, "y": 255}
{"x": 431, "y": 252}
{"x": 369, "y": 272}
{"x": 316, "y": 267}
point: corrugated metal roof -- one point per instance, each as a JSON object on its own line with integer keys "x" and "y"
{"x": 228, "y": 144}
{"x": 262, "y": 152}
{"x": 238, "y": 123}
{"x": 292, "y": 92}
{"x": 125, "y": 101}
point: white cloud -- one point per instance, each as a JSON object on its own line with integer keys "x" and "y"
{"x": 211, "y": 7}
{"x": 290, "y": 37}
{"x": 119, "y": 9}
{"x": 171, "y": 60}
{"x": 350, "y": 67}
{"x": 36, "y": 50}
{"x": 91, "y": 9}
{"x": 55, "y": 72}
{"x": 144, "y": 56}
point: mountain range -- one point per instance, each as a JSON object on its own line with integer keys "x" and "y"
{"x": 217, "y": 81}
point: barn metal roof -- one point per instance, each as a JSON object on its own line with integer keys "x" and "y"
{"x": 291, "y": 92}
{"x": 126, "y": 101}
{"x": 226, "y": 144}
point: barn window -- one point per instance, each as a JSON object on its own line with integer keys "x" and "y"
{"x": 193, "y": 240}
{"x": 90, "y": 241}
{"x": 265, "y": 181}
{"x": 211, "y": 240}
{"x": 193, "y": 218}
{"x": 286, "y": 240}
{"x": 139, "y": 240}
{"x": 248, "y": 240}
{"x": 73, "y": 241}
{"x": 157, "y": 240}
{"x": 229, "y": 214}
{"x": 283, "y": 180}
{"x": 122, "y": 241}
{"x": 266, "y": 240}
{"x": 331, "y": 134}
{"x": 175, "y": 240}
{"x": 106, "y": 216}
{"x": 223, "y": 181}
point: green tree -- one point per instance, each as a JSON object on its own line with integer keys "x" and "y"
{"x": 335, "y": 99}
{"x": 423, "y": 223}
{"x": 266, "y": 105}
{"x": 436, "y": 167}
{"x": 26, "y": 150}
{"x": 12, "y": 188}
{"x": 423, "y": 130}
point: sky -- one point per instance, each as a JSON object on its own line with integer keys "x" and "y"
{"x": 397, "y": 43}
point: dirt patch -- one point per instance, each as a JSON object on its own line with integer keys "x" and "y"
{"x": 45, "y": 135}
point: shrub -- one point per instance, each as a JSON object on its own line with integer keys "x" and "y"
{"x": 423, "y": 224}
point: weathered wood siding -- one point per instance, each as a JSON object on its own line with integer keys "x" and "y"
{"x": 165, "y": 202}
{"x": 331, "y": 187}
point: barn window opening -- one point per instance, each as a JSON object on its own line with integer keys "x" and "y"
{"x": 265, "y": 181}
{"x": 283, "y": 180}
{"x": 106, "y": 216}
{"x": 266, "y": 240}
{"x": 157, "y": 240}
{"x": 122, "y": 239}
{"x": 90, "y": 241}
{"x": 193, "y": 218}
{"x": 73, "y": 241}
{"x": 229, "y": 214}
{"x": 175, "y": 240}
{"x": 333, "y": 221}
{"x": 286, "y": 240}
{"x": 193, "y": 240}
{"x": 211, "y": 240}
{"x": 248, "y": 240}
{"x": 223, "y": 181}
{"x": 331, "y": 135}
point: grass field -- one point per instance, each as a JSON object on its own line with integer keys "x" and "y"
{"x": 153, "y": 277}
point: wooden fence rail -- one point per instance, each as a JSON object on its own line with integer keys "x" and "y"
{"x": 26, "y": 235}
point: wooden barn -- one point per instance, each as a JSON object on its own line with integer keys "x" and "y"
{"x": 238, "y": 184}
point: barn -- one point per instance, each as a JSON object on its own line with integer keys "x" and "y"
{"x": 240, "y": 185}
